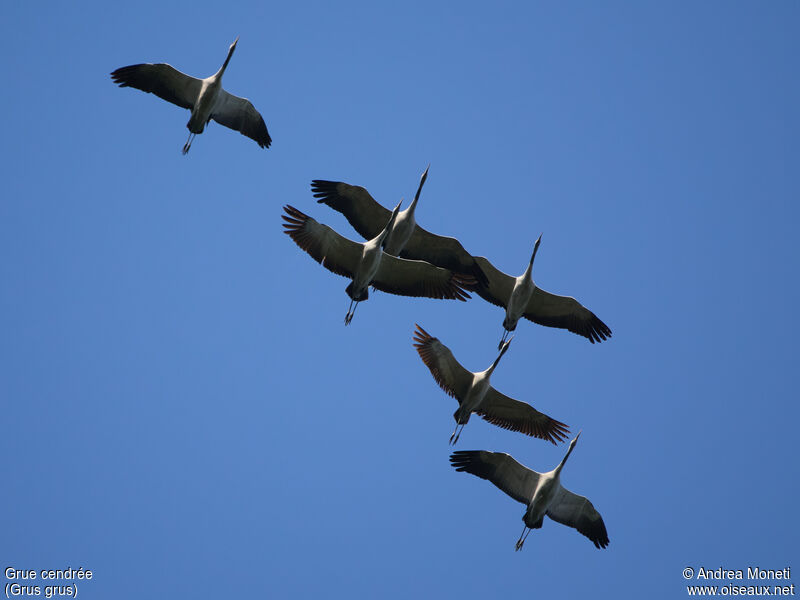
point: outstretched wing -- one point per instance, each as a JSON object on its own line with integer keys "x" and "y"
{"x": 323, "y": 244}
{"x": 366, "y": 216}
{"x": 499, "y": 286}
{"x": 567, "y": 313}
{"x": 163, "y": 80}
{"x": 512, "y": 414}
{"x": 576, "y": 511}
{"x": 442, "y": 251}
{"x": 419, "y": 278}
{"x": 454, "y": 379}
{"x": 501, "y": 469}
{"x": 240, "y": 115}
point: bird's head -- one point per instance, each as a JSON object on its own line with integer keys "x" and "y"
{"x": 503, "y": 347}
{"x": 227, "y": 58}
{"x": 536, "y": 247}
{"x": 419, "y": 189}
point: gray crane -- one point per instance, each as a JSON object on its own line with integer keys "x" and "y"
{"x": 521, "y": 297}
{"x": 475, "y": 394}
{"x": 542, "y": 493}
{"x": 204, "y": 97}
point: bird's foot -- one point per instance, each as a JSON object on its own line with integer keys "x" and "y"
{"x": 518, "y": 547}
{"x": 347, "y": 318}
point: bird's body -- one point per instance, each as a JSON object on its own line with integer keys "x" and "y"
{"x": 406, "y": 238}
{"x": 542, "y": 493}
{"x": 206, "y": 101}
{"x": 404, "y": 224}
{"x": 476, "y": 395}
{"x": 518, "y": 301}
{"x": 371, "y": 255}
{"x": 205, "y": 98}
{"x": 520, "y": 297}
{"x": 368, "y": 264}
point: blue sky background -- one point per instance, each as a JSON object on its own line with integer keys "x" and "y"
{"x": 184, "y": 412}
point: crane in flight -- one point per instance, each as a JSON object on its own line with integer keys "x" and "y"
{"x": 541, "y": 493}
{"x": 475, "y": 394}
{"x": 204, "y": 97}
{"x": 520, "y": 297}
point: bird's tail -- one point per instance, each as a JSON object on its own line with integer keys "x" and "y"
{"x": 363, "y": 296}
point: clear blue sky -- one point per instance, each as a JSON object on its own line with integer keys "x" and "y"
{"x": 184, "y": 412}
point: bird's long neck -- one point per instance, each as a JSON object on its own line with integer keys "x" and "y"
{"x": 529, "y": 270}
{"x": 225, "y": 64}
{"x": 413, "y": 205}
{"x": 491, "y": 369}
{"x": 382, "y": 235}
{"x": 566, "y": 456}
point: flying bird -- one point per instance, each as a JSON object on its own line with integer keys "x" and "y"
{"x": 476, "y": 395}
{"x": 406, "y": 239}
{"x": 542, "y": 493}
{"x": 522, "y": 298}
{"x": 368, "y": 265}
{"x": 204, "y": 97}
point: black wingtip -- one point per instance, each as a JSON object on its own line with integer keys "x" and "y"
{"x": 323, "y": 190}
{"x": 461, "y": 459}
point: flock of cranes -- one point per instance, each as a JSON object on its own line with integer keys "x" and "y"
{"x": 400, "y": 257}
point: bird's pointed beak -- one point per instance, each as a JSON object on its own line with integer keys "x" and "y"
{"x": 536, "y": 246}
{"x": 236, "y": 41}
{"x": 419, "y": 187}
{"x": 577, "y": 436}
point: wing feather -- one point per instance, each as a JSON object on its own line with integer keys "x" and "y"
{"x": 499, "y": 286}
{"x": 163, "y": 80}
{"x": 454, "y": 379}
{"x": 366, "y": 216}
{"x": 567, "y": 313}
{"x": 501, "y": 469}
{"x": 577, "y": 512}
{"x": 419, "y": 278}
{"x": 498, "y": 409}
{"x": 335, "y": 252}
{"x": 240, "y": 115}
{"x": 442, "y": 251}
